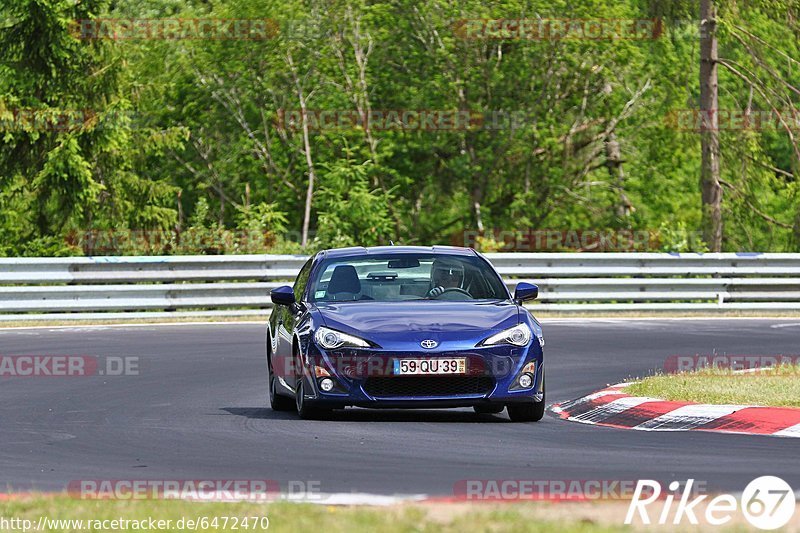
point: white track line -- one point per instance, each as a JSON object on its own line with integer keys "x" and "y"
{"x": 336, "y": 498}
{"x": 140, "y": 325}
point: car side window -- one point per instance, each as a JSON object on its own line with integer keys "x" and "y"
{"x": 302, "y": 280}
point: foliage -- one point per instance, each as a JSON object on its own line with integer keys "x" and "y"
{"x": 350, "y": 214}
{"x": 184, "y": 146}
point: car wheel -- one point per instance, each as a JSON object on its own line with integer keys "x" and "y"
{"x": 527, "y": 412}
{"x": 278, "y": 402}
{"x": 305, "y": 411}
{"x": 488, "y": 409}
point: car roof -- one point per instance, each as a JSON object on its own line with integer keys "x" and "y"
{"x": 391, "y": 250}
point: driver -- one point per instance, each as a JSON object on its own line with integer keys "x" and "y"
{"x": 445, "y": 275}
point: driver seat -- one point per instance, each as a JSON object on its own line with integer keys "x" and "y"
{"x": 344, "y": 284}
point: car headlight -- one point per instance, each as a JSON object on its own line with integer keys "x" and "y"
{"x": 519, "y": 335}
{"x": 331, "y": 339}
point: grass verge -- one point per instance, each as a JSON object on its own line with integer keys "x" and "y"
{"x": 779, "y": 386}
{"x": 295, "y": 517}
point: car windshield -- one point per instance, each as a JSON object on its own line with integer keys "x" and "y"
{"x": 400, "y": 277}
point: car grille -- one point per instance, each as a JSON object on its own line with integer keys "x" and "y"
{"x": 386, "y": 387}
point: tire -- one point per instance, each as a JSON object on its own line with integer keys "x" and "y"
{"x": 277, "y": 401}
{"x": 527, "y": 412}
{"x": 305, "y": 411}
{"x": 488, "y": 409}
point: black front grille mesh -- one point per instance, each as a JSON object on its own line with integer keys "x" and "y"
{"x": 387, "y": 387}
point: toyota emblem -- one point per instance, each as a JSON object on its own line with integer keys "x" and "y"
{"x": 429, "y": 344}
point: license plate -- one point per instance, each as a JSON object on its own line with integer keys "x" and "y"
{"x": 453, "y": 365}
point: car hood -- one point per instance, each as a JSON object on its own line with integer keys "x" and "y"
{"x": 441, "y": 320}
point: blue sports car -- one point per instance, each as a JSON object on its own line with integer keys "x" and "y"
{"x": 404, "y": 327}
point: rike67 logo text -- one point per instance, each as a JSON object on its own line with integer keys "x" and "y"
{"x": 767, "y": 502}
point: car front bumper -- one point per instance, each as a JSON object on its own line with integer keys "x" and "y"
{"x": 366, "y": 378}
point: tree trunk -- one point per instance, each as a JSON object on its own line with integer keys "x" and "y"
{"x": 477, "y": 198}
{"x": 310, "y": 164}
{"x": 709, "y": 112}
{"x": 302, "y": 99}
{"x": 614, "y": 164}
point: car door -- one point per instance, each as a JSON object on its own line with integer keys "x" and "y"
{"x": 284, "y": 365}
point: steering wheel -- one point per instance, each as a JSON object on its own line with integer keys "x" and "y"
{"x": 453, "y": 289}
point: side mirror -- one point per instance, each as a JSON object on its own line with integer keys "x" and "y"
{"x": 525, "y": 291}
{"x": 282, "y": 295}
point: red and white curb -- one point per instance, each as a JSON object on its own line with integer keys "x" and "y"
{"x": 611, "y": 407}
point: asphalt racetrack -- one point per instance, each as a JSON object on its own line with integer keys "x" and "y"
{"x": 198, "y": 410}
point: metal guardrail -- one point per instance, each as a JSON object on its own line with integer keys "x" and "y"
{"x": 113, "y": 287}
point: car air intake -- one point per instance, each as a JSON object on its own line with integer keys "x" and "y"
{"x": 429, "y": 386}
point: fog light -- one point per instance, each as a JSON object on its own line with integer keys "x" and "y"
{"x": 326, "y": 384}
{"x": 525, "y": 381}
